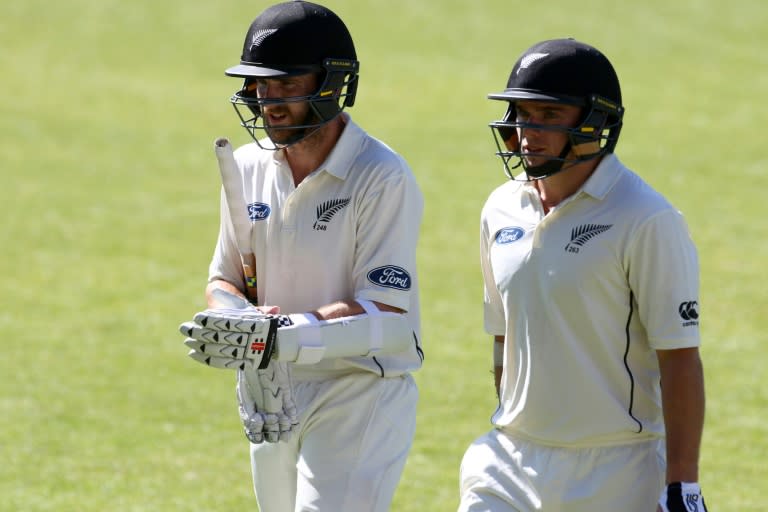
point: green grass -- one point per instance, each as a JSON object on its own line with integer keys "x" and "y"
{"x": 107, "y": 114}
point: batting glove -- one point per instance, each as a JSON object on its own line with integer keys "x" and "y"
{"x": 222, "y": 338}
{"x": 682, "y": 497}
{"x": 266, "y": 404}
{"x": 235, "y": 339}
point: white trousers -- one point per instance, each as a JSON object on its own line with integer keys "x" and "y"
{"x": 349, "y": 453}
{"x": 503, "y": 474}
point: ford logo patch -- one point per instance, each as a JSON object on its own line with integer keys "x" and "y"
{"x": 258, "y": 211}
{"x": 509, "y": 235}
{"x": 390, "y": 276}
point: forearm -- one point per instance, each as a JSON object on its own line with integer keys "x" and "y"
{"x": 683, "y": 402}
{"x": 210, "y": 297}
{"x": 330, "y": 311}
{"x": 498, "y": 362}
{"x": 348, "y": 308}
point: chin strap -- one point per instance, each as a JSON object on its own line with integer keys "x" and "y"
{"x": 553, "y": 166}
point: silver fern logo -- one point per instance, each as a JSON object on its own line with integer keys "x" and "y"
{"x": 530, "y": 59}
{"x": 326, "y": 211}
{"x": 583, "y": 234}
{"x": 260, "y": 35}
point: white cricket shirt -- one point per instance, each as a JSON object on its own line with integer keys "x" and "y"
{"x": 348, "y": 231}
{"x": 584, "y": 296}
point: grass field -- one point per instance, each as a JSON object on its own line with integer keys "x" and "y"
{"x": 108, "y": 112}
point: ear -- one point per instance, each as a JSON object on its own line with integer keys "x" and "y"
{"x": 511, "y": 141}
{"x": 509, "y": 134}
{"x": 586, "y": 141}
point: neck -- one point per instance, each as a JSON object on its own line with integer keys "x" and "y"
{"x": 305, "y": 156}
{"x": 554, "y": 189}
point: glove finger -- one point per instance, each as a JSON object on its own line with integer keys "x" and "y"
{"x": 187, "y": 327}
{"x": 253, "y": 421}
{"x": 223, "y": 363}
{"x": 254, "y": 352}
{"x": 234, "y": 320}
{"x": 240, "y": 339}
{"x": 283, "y": 375}
{"x": 253, "y": 425}
{"x": 271, "y": 428}
{"x": 290, "y": 409}
{"x": 254, "y": 436}
{"x": 285, "y": 423}
{"x": 273, "y": 400}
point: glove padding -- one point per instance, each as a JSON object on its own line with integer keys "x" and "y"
{"x": 236, "y": 339}
{"x": 244, "y": 339}
{"x": 682, "y": 497}
{"x": 267, "y": 409}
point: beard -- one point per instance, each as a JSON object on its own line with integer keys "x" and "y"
{"x": 284, "y": 135}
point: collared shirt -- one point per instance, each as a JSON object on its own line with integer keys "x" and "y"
{"x": 584, "y": 296}
{"x": 348, "y": 231}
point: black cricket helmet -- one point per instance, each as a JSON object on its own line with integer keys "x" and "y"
{"x": 569, "y": 72}
{"x": 296, "y": 38}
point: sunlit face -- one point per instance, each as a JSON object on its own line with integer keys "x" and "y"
{"x": 281, "y": 118}
{"x": 540, "y": 145}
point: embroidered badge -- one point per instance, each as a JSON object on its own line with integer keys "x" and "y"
{"x": 326, "y": 211}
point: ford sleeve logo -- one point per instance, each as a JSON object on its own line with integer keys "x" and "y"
{"x": 390, "y": 276}
{"x": 258, "y": 211}
{"x": 509, "y": 235}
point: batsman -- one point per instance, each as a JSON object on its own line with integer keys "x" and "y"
{"x": 591, "y": 300}
{"x": 312, "y": 294}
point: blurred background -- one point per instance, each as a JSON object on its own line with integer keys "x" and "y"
{"x": 108, "y": 112}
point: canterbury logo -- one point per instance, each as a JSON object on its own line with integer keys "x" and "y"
{"x": 692, "y": 502}
{"x": 583, "y": 234}
{"x": 689, "y": 312}
{"x": 260, "y": 35}
{"x": 327, "y": 210}
{"x": 530, "y": 59}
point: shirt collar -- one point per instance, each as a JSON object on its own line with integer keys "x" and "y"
{"x": 606, "y": 175}
{"x": 339, "y": 161}
{"x": 599, "y": 183}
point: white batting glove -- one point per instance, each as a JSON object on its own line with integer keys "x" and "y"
{"x": 253, "y": 420}
{"x": 266, "y": 408}
{"x": 242, "y": 338}
{"x": 277, "y": 392}
{"x": 682, "y": 497}
{"x": 235, "y": 339}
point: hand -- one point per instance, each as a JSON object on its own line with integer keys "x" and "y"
{"x": 232, "y": 338}
{"x": 277, "y": 392}
{"x": 236, "y": 339}
{"x": 682, "y": 497}
{"x": 266, "y": 404}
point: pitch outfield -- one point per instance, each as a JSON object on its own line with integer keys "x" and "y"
{"x": 108, "y": 115}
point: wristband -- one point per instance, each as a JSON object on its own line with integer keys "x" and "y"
{"x": 682, "y": 497}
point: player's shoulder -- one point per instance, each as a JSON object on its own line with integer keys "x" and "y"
{"x": 637, "y": 206}
{"x": 506, "y": 189}
{"x": 374, "y": 161}
{"x": 636, "y": 195}
{"x": 252, "y": 153}
{"x": 505, "y": 195}
{"x": 377, "y": 153}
